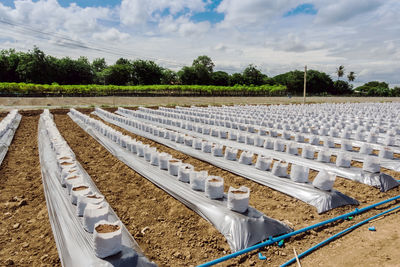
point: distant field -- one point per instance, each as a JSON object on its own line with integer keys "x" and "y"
{"x": 37, "y": 102}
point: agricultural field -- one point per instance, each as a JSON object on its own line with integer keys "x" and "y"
{"x": 171, "y": 233}
{"x": 60, "y": 102}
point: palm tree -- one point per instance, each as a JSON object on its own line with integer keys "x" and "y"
{"x": 340, "y": 71}
{"x": 352, "y": 76}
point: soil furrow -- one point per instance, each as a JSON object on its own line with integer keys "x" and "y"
{"x": 26, "y": 238}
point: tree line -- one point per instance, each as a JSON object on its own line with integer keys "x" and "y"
{"x": 36, "y": 67}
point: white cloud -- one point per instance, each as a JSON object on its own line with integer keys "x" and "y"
{"x": 139, "y": 12}
{"x": 239, "y": 13}
{"x": 340, "y": 11}
{"x": 111, "y": 34}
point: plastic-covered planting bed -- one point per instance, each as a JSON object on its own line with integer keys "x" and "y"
{"x": 86, "y": 229}
{"x": 241, "y": 229}
{"x": 314, "y": 140}
{"x": 298, "y": 118}
{"x": 380, "y": 180}
{"x": 8, "y": 126}
{"x": 358, "y": 139}
{"x": 260, "y": 172}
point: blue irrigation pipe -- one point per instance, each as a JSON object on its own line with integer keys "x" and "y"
{"x": 326, "y": 241}
{"x": 273, "y": 240}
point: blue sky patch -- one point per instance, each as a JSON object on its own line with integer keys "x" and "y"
{"x": 211, "y": 16}
{"x": 307, "y": 9}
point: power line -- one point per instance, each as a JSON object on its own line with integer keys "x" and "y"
{"x": 71, "y": 43}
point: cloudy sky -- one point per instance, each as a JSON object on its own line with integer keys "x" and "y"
{"x": 275, "y": 35}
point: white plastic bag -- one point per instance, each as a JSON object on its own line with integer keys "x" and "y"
{"x": 249, "y": 139}
{"x": 389, "y": 140}
{"x": 371, "y": 164}
{"x": 324, "y": 180}
{"x": 206, "y": 147}
{"x": 241, "y": 138}
{"x": 299, "y": 138}
{"x": 365, "y": 149}
{"x": 197, "y": 143}
{"x": 173, "y": 166}
{"x": 263, "y": 163}
{"x": 184, "y": 172}
{"x": 324, "y": 155}
{"x": 280, "y": 169}
{"x": 328, "y": 142}
{"x": 269, "y": 143}
{"x": 386, "y": 153}
{"x": 246, "y": 158}
{"x": 299, "y": 173}
{"x": 238, "y": 199}
{"x": 279, "y": 145}
{"x": 223, "y": 134}
{"x": 346, "y": 145}
{"x": 83, "y": 200}
{"x": 313, "y": 140}
{"x": 372, "y": 138}
{"x": 216, "y": 150}
{"x": 286, "y": 135}
{"x": 107, "y": 238}
{"x": 231, "y": 153}
{"x": 198, "y": 180}
{"x": 79, "y": 190}
{"x": 291, "y": 148}
{"x": 188, "y": 141}
{"x": 214, "y": 187}
{"x": 258, "y": 141}
{"x": 233, "y": 135}
{"x": 93, "y": 214}
{"x": 72, "y": 180}
{"x": 163, "y": 160}
{"x": 308, "y": 152}
{"x": 343, "y": 160}
{"x": 149, "y": 152}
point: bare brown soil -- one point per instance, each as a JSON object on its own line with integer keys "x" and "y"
{"x": 26, "y": 238}
{"x": 107, "y": 228}
{"x": 40, "y": 102}
{"x": 168, "y": 232}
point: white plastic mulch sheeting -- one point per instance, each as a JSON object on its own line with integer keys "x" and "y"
{"x": 8, "y": 126}
{"x": 322, "y": 200}
{"x": 240, "y": 229}
{"x": 165, "y": 119}
{"x": 77, "y": 247}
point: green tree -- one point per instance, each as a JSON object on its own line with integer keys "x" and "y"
{"x": 237, "y": 78}
{"x": 99, "y": 64}
{"x": 75, "y": 71}
{"x": 220, "y": 78}
{"x": 317, "y": 82}
{"x": 118, "y": 74}
{"x": 32, "y": 67}
{"x": 122, "y": 61}
{"x": 340, "y": 71}
{"x": 146, "y": 72}
{"x": 169, "y": 76}
{"x": 204, "y": 61}
{"x": 9, "y": 60}
{"x": 252, "y": 75}
{"x": 187, "y": 75}
{"x": 374, "y": 88}
{"x": 342, "y": 88}
{"x": 351, "y": 76}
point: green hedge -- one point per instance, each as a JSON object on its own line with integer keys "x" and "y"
{"x": 28, "y": 89}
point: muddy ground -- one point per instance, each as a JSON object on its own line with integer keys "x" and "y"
{"x": 169, "y": 233}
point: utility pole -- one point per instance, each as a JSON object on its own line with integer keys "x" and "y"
{"x": 305, "y": 84}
